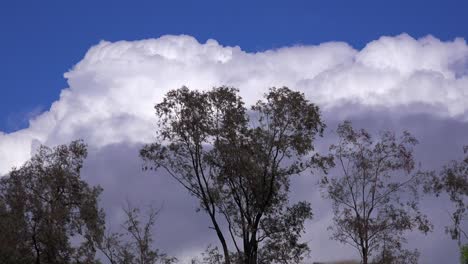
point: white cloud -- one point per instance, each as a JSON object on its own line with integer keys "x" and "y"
{"x": 112, "y": 91}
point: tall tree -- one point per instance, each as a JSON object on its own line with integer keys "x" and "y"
{"x": 48, "y": 214}
{"x": 375, "y": 197}
{"x": 186, "y": 121}
{"x": 238, "y": 164}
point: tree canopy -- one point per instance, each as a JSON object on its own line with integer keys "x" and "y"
{"x": 48, "y": 214}
{"x": 238, "y": 162}
{"x": 374, "y": 194}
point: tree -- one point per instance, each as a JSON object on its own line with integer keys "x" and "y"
{"x": 239, "y": 167}
{"x": 210, "y": 256}
{"x": 135, "y": 244}
{"x": 375, "y": 197}
{"x": 392, "y": 254}
{"x": 453, "y": 180}
{"x": 47, "y": 213}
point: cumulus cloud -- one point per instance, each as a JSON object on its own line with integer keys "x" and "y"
{"x": 112, "y": 90}
{"x": 393, "y": 82}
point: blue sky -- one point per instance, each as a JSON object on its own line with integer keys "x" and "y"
{"x": 40, "y": 40}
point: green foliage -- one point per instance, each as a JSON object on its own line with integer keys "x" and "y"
{"x": 45, "y": 206}
{"x": 464, "y": 254}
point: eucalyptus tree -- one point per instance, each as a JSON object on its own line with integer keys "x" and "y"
{"x": 238, "y": 163}
{"x": 375, "y": 194}
{"x": 48, "y": 214}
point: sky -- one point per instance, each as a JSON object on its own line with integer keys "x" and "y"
{"x": 95, "y": 69}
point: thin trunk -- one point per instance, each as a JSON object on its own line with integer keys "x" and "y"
{"x": 220, "y": 235}
{"x": 38, "y": 253}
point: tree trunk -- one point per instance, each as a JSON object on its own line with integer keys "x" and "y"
{"x": 253, "y": 258}
{"x": 38, "y": 253}
{"x": 250, "y": 249}
{"x": 246, "y": 253}
{"x": 227, "y": 259}
{"x": 364, "y": 256}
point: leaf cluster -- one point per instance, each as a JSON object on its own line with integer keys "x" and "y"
{"x": 48, "y": 214}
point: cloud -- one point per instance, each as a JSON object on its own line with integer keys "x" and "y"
{"x": 112, "y": 90}
{"x": 394, "y": 82}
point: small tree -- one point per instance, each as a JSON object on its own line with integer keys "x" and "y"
{"x": 238, "y": 165}
{"x": 47, "y": 213}
{"x": 210, "y": 256}
{"x": 453, "y": 180}
{"x": 375, "y": 197}
{"x": 135, "y": 244}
